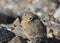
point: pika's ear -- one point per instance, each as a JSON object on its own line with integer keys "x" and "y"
{"x": 25, "y": 14}
{"x": 16, "y": 22}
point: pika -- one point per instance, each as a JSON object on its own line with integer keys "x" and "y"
{"x": 33, "y": 27}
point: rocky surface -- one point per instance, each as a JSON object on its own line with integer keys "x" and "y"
{"x": 6, "y": 35}
{"x": 47, "y": 10}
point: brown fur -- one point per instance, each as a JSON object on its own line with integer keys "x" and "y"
{"x": 34, "y": 28}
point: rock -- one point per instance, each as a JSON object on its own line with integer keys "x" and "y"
{"x": 16, "y": 23}
{"x": 13, "y": 7}
{"x": 18, "y": 39}
{"x": 57, "y": 13}
{"x": 18, "y": 32}
{"x": 6, "y": 36}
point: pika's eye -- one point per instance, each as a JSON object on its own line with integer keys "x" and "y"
{"x": 30, "y": 18}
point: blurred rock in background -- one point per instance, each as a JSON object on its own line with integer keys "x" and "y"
{"x": 47, "y": 10}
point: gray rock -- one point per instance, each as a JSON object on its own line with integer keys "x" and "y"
{"x": 5, "y": 35}
{"x": 19, "y": 32}
{"x": 18, "y": 39}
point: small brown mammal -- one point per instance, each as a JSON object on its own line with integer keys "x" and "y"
{"x": 32, "y": 27}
